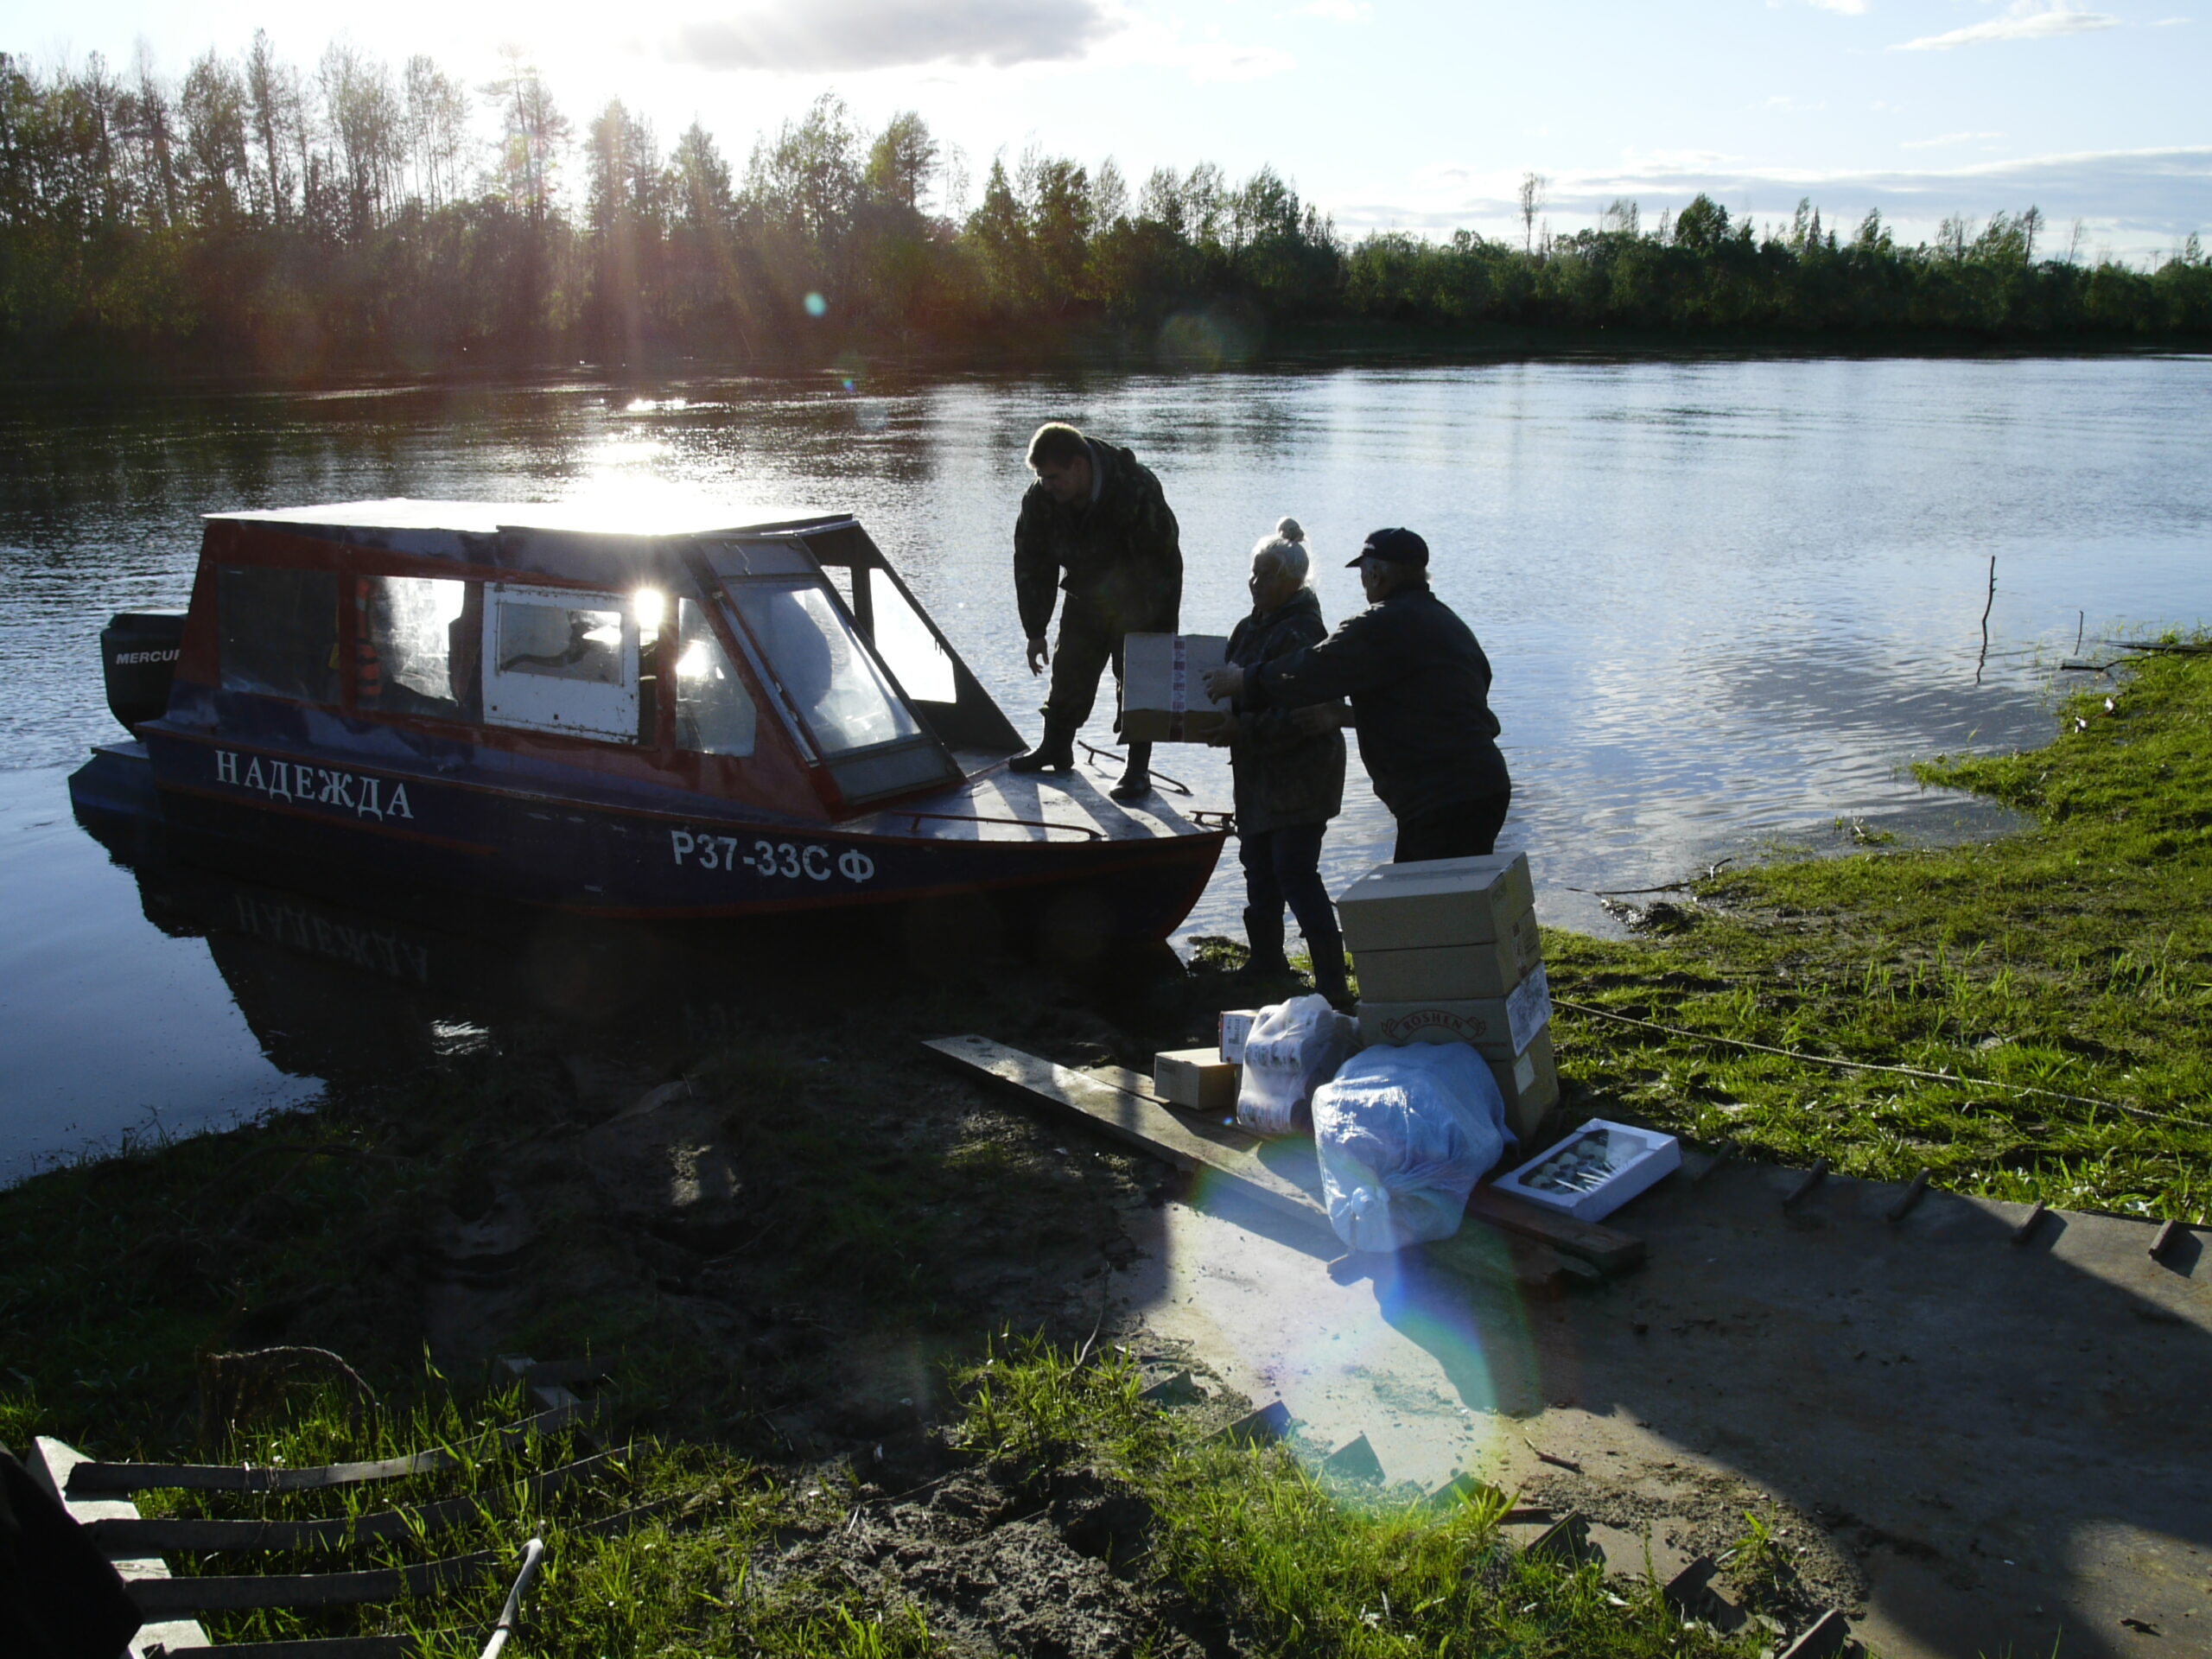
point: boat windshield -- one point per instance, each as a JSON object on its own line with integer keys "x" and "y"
{"x": 829, "y": 674}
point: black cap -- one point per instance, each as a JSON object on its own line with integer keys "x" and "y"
{"x": 1398, "y": 546}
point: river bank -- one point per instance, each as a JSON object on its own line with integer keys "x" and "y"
{"x": 798, "y": 1247}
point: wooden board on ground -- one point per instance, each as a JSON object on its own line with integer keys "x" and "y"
{"x": 1606, "y": 1248}
{"x": 1137, "y": 1117}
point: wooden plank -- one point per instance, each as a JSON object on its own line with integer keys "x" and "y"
{"x": 1606, "y": 1248}
{"x": 326, "y": 1647}
{"x": 1133, "y": 1120}
{"x": 1191, "y": 1143}
{"x": 127, "y": 1535}
{"x": 89, "y": 1477}
{"x": 242, "y": 1593}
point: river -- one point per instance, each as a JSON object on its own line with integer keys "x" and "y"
{"x": 1727, "y": 602}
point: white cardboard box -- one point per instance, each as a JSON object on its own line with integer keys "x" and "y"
{"x": 1453, "y": 972}
{"x": 1499, "y": 1028}
{"x": 1235, "y": 1026}
{"x": 1636, "y": 1160}
{"x": 1163, "y": 687}
{"x": 1437, "y": 902}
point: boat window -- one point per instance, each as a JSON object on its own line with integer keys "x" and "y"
{"x": 279, "y": 632}
{"x": 561, "y": 661}
{"x": 822, "y": 666}
{"x": 921, "y": 666}
{"x": 562, "y": 642}
{"x": 713, "y": 711}
{"x": 404, "y": 646}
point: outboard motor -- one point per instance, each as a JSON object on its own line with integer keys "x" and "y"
{"x": 139, "y": 650}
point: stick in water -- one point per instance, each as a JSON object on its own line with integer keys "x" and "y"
{"x": 1982, "y": 661}
{"x": 533, "y": 1554}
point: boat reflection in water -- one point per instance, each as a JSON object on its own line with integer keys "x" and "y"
{"x": 338, "y": 991}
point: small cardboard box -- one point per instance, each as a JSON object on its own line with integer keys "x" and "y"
{"x": 1454, "y": 973}
{"x": 1235, "y": 1026}
{"x": 1529, "y": 1084}
{"x": 1439, "y": 902}
{"x": 1163, "y": 687}
{"x": 1499, "y": 1028}
{"x": 1197, "y": 1077}
{"x": 1571, "y": 1179}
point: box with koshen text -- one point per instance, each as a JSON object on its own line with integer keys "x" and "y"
{"x": 1498, "y": 1027}
{"x": 1163, "y": 687}
{"x": 1444, "y": 901}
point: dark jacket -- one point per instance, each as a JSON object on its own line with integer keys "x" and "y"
{"x": 1283, "y": 776}
{"x": 1420, "y": 690}
{"x": 1121, "y": 552}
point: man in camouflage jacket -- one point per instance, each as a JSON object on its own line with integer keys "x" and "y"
{"x": 1096, "y": 525}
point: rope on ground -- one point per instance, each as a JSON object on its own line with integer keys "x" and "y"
{"x": 1870, "y": 1065}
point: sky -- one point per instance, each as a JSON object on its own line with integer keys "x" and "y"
{"x": 1406, "y": 114}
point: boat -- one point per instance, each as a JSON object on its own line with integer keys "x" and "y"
{"x": 741, "y": 712}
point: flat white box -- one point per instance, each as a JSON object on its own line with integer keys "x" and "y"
{"x": 1437, "y": 902}
{"x": 1640, "y": 1159}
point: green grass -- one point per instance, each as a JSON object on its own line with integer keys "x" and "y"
{"x": 1234, "y": 1539}
{"x": 2060, "y": 977}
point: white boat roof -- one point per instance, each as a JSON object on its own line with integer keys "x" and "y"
{"x": 628, "y": 516}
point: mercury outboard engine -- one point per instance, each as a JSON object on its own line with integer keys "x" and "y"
{"x": 139, "y": 650}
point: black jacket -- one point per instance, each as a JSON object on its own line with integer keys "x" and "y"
{"x": 1283, "y": 776}
{"x": 1420, "y": 690}
{"x": 1122, "y": 553}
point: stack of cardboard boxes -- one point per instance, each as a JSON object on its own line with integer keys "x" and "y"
{"x": 1448, "y": 951}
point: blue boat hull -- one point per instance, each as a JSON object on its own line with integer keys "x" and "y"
{"x": 267, "y": 812}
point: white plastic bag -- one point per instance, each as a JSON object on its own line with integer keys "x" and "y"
{"x": 1292, "y": 1049}
{"x": 1404, "y": 1134}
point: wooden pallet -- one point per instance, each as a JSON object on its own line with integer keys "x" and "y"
{"x": 96, "y": 1494}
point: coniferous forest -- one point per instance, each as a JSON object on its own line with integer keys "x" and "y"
{"x": 255, "y": 217}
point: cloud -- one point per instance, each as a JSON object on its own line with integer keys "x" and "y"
{"x": 1943, "y": 140}
{"x": 1848, "y": 8}
{"x": 1341, "y": 11}
{"x": 827, "y": 35}
{"x": 2153, "y": 195}
{"x": 2025, "y": 20}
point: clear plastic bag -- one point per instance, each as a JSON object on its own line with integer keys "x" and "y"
{"x": 1403, "y": 1134}
{"x": 1295, "y": 1047}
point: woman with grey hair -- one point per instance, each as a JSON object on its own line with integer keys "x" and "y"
{"x": 1289, "y": 770}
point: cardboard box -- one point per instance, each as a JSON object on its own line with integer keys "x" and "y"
{"x": 1235, "y": 1026}
{"x": 1163, "y": 687}
{"x": 1560, "y": 1178}
{"x": 1529, "y": 1082}
{"x": 1440, "y": 902}
{"x": 1499, "y": 1028}
{"x": 1453, "y": 972}
{"x": 1197, "y": 1077}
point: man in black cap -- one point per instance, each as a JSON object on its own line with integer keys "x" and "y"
{"x": 1420, "y": 690}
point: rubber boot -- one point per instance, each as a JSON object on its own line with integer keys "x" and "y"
{"x": 1264, "y": 932}
{"x": 1055, "y": 751}
{"x": 1136, "y": 776}
{"x": 1329, "y": 969}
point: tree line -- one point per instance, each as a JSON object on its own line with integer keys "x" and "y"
{"x": 256, "y": 216}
